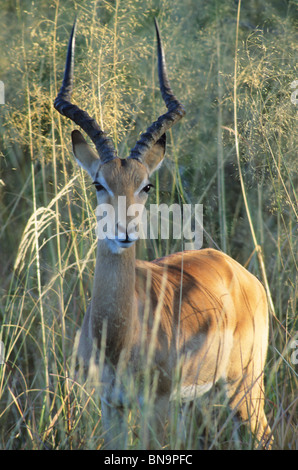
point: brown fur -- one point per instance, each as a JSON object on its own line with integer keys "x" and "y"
{"x": 199, "y": 309}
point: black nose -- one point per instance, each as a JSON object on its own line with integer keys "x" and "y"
{"x": 119, "y": 234}
{"x": 127, "y": 240}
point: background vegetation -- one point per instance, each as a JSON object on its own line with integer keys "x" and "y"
{"x": 235, "y": 152}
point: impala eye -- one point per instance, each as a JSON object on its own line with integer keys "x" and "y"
{"x": 98, "y": 186}
{"x": 147, "y": 188}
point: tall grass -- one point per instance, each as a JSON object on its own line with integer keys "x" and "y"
{"x": 235, "y": 152}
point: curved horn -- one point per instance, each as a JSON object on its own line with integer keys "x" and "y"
{"x": 175, "y": 109}
{"x": 63, "y": 104}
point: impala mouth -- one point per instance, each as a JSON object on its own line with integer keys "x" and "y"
{"x": 126, "y": 243}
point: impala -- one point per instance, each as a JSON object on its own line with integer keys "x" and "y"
{"x": 198, "y": 311}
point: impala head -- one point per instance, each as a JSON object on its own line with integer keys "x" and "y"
{"x": 112, "y": 176}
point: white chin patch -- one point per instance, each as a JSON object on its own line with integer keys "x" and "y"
{"x": 117, "y": 247}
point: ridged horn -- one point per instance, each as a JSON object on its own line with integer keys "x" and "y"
{"x": 62, "y": 103}
{"x": 175, "y": 109}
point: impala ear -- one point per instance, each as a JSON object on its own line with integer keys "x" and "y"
{"x": 86, "y": 157}
{"x": 155, "y": 156}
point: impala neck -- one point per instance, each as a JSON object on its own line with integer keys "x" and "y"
{"x": 112, "y": 305}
